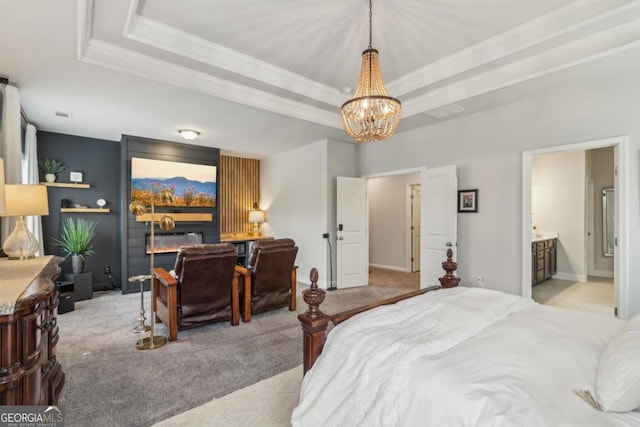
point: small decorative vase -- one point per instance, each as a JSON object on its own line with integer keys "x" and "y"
{"x": 77, "y": 263}
{"x": 50, "y": 177}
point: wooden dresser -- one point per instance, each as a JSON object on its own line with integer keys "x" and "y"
{"x": 29, "y": 371}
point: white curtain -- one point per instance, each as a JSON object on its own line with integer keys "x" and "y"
{"x": 11, "y": 146}
{"x": 30, "y": 176}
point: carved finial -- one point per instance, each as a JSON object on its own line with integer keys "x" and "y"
{"x": 313, "y": 296}
{"x": 449, "y": 280}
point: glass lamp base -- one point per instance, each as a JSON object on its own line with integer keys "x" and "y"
{"x": 21, "y": 243}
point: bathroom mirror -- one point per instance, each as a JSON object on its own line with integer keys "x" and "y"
{"x": 608, "y": 203}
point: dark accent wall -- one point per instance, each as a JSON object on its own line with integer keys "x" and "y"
{"x": 99, "y": 162}
{"x": 134, "y": 259}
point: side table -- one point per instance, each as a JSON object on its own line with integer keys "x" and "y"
{"x": 66, "y": 296}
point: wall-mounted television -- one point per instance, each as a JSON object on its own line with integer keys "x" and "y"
{"x": 194, "y": 185}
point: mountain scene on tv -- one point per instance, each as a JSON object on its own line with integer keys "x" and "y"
{"x": 187, "y": 192}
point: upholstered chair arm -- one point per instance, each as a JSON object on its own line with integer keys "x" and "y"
{"x": 241, "y": 270}
{"x": 245, "y": 281}
{"x": 165, "y": 301}
{"x": 164, "y": 277}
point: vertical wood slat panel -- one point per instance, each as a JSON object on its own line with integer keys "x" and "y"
{"x": 239, "y": 189}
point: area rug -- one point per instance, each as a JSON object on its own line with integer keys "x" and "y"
{"x": 268, "y": 403}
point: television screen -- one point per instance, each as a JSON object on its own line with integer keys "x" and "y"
{"x": 193, "y": 185}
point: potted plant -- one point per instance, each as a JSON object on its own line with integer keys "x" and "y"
{"x": 50, "y": 167}
{"x": 76, "y": 240}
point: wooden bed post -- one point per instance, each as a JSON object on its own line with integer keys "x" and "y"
{"x": 449, "y": 280}
{"x": 314, "y": 322}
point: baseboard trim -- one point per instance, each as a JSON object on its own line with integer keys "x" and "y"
{"x": 570, "y": 276}
{"x": 602, "y": 273}
{"x": 388, "y": 267}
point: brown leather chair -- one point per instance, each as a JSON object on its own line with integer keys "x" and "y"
{"x": 273, "y": 277}
{"x": 202, "y": 289}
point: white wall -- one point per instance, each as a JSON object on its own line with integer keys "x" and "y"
{"x": 387, "y": 198}
{"x": 558, "y": 204}
{"x": 297, "y": 189}
{"x": 487, "y": 147}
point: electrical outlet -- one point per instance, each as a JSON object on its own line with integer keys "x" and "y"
{"x": 107, "y": 270}
{"x": 325, "y": 235}
{"x": 480, "y": 282}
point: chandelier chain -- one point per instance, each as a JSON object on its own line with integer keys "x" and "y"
{"x": 370, "y": 26}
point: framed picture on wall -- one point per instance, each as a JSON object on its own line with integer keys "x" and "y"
{"x": 468, "y": 201}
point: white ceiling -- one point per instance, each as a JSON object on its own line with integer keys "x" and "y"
{"x": 257, "y": 77}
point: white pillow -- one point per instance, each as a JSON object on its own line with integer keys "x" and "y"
{"x": 618, "y": 382}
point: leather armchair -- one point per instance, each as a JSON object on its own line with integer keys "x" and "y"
{"x": 203, "y": 288}
{"x": 273, "y": 277}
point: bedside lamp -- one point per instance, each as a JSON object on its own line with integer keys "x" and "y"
{"x": 256, "y": 217}
{"x": 22, "y": 200}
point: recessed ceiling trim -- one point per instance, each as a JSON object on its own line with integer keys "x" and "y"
{"x": 114, "y": 57}
{"x": 578, "y": 14}
{"x": 172, "y": 40}
{"x": 547, "y": 27}
{"x": 85, "y": 25}
{"x": 597, "y": 46}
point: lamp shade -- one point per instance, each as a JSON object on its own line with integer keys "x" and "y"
{"x": 3, "y": 203}
{"x": 23, "y": 199}
{"x": 256, "y": 217}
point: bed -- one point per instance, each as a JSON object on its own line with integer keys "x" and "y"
{"x": 466, "y": 357}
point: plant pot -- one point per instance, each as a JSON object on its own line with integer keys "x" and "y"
{"x": 50, "y": 177}
{"x": 77, "y": 263}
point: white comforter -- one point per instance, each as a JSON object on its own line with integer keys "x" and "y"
{"x": 460, "y": 357}
{"x": 365, "y": 363}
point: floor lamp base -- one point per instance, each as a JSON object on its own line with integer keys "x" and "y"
{"x": 152, "y": 342}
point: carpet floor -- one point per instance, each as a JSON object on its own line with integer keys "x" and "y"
{"x": 111, "y": 383}
{"x": 268, "y": 403}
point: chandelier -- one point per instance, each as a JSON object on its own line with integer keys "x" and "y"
{"x": 372, "y": 115}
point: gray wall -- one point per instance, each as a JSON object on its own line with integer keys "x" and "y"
{"x": 99, "y": 161}
{"x": 134, "y": 259}
{"x": 388, "y": 214}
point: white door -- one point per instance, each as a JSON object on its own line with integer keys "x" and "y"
{"x": 416, "y": 230}
{"x": 439, "y": 219}
{"x": 352, "y": 247}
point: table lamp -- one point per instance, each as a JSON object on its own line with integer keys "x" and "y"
{"x": 22, "y": 200}
{"x": 256, "y": 217}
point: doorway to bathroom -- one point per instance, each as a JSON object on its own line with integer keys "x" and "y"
{"x": 562, "y": 200}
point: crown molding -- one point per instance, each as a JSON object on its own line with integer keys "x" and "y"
{"x": 571, "y": 17}
{"x": 550, "y": 43}
{"x": 116, "y": 58}
{"x": 170, "y": 39}
{"x": 596, "y": 46}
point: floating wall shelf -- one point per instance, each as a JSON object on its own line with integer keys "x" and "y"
{"x": 65, "y": 184}
{"x": 85, "y": 210}
{"x": 177, "y": 217}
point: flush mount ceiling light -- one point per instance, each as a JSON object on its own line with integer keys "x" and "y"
{"x": 372, "y": 115}
{"x": 189, "y": 134}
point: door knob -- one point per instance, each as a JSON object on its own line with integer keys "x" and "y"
{"x": 340, "y": 238}
{"x": 449, "y": 244}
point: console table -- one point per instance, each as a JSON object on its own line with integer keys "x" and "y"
{"x": 29, "y": 371}
{"x": 243, "y": 243}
